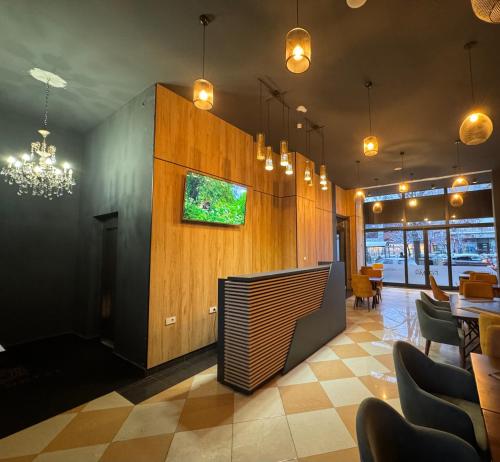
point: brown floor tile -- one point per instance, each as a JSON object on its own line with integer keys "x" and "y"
{"x": 349, "y": 351}
{"x": 304, "y": 397}
{"x": 373, "y": 325}
{"x": 362, "y": 337}
{"x": 345, "y": 455}
{"x": 387, "y": 361}
{"x": 90, "y": 428}
{"x": 206, "y": 411}
{"x": 179, "y": 391}
{"x": 331, "y": 370}
{"x": 348, "y": 416}
{"x": 150, "y": 449}
{"x": 383, "y": 387}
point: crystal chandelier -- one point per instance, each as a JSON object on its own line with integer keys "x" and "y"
{"x": 37, "y": 172}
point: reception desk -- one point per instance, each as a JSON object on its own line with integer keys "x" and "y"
{"x": 270, "y": 322}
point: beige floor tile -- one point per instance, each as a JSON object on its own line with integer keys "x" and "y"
{"x": 208, "y": 445}
{"x": 300, "y": 374}
{"x": 207, "y": 385}
{"x": 304, "y": 397}
{"x": 108, "y": 401}
{"x": 348, "y": 416}
{"x": 150, "y": 420}
{"x": 90, "y": 428}
{"x": 179, "y": 391}
{"x": 341, "y": 339}
{"x": 267, "y": 440}
{"x": 330, "y": 370}
{"x": 379, "y": 347}
{"x": 34, "y": 439}
{"x": 262, "y": 404}
{"x": 318, "y": 432}
{"x": 382, "y": 386}
{"x": 387, "y": 361}
{"x": 208, "y": 411}
{"x": 345, "y": 455}
{"x": 345, "y": 392}
{"x": 362, "y": 337}
{"x": 357, "y": 328}
{"x": 323, "y": 354}
{"x": 365, "y": 365}
{"x": 149, "y": 449}
{"x": 84, "y": 454}
{"x": 349, "y": 351}
{"x": 371, "y": 325}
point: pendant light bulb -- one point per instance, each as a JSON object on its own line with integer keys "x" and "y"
{"x": 298, "y": 48}
{"x": 460, "y": 180}
{"x": 370, "y": 143}
{"x": 322, "y": 175}
{"x": 359, "y": 194}
{"x": 403, "y": 187}
{"x": 203, "y": 90}
{"x": 413, "y": 202}
{"x": 289, "y": 168}
{"x": 377, "y": 207}
{"x": 456, "y": 200}
{"x": 269, "y": 159}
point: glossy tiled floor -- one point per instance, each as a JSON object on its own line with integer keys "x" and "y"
{"x": 306, "y": 415}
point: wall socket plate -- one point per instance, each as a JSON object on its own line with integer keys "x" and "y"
{"x": 212, "y": 310}
{"x": 171, "y": 320}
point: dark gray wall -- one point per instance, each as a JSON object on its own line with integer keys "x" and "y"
{"x": 38, "y": 240}
{"x": 118, "y": 178}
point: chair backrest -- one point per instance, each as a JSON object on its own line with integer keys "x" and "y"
{"x": 437, "y": 292}
{"x": 378, "y": 266}
{"x": 385, "y": 436}
{"x": 361, "y": 285}
{"x": 489, "y": 324}
{"x": 425, "y": 297}
{"x": 478, "y": 290}
{"x": 372, "y": 273}
{"x": 364, "y": 269}
{"x": 483, "y": 277}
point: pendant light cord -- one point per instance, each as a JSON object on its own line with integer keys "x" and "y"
{"x": 322, "y": 147}
{"x": 458, "y": 157}
{"x": 470, "y": 75}
{"x": 283, "y": 118}
{"x": 297, "y": 13}
{"x": 288, "y": 127}
{"x": 203, "y": 54}
{"x": 46, "y": 109}
{"x": 260, "y": 106}
{"x": 357, "y": 168}
{"x": 369, "y": 108}
{"x": 268, "y": 121}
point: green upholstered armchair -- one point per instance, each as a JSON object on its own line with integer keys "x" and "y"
{"x": 385, "y": 436}
{"x": 436, "y": 303}
{"x": 439, "y": 326}
{"x": 439, "y": 396}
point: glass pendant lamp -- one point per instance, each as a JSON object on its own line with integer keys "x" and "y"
{"x": 289, "y": 168}
{"x": 268, "y": 163}
{"x": 359, "y": 194}
{"x": 307, "y": 171}
{"x": 298, "y": 48}
{"x": 487, "y": 10}
{"x": 403, "y": 187}
{"x": 260, "y": 138}
{"x": 477, "y": 127}
{"x": 460, "y": 180}
{"x": 284, "y": 151}
{"x": 377, "y": 207}
{"x": 323, "y": 176}
{"x": 370, "y": 143}
{"x": 456, "y": 200}
{"x": 203, "y": 90}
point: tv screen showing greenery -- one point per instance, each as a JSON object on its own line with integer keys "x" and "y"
{"x": 211, "y": 200}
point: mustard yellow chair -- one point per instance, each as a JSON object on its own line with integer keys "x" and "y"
{"x": 362, "y": 288}
{"x": 484, "y": 277}
{"x": 365, "y": 269}
{"x": 478, "y": 290}
{"x": 437, "y": 292}
{"x": 489, "y": 334}
{"x": 378, "y": 266}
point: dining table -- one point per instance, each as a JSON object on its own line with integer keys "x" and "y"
{"x": 487, "y": 376}
{"x": 375, "y": 286}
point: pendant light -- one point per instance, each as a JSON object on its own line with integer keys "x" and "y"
{"x": 377, "y": 206}
{"x": 323, "y": 176}
{"x": 359, "y": 194}
{"x": 477, "y": 127}
{"x": 298, "y": 48}
{"x": 289, "y": 167}
{"x": 456, "y": 200}
{"x": 370, "y": 143}
{"x": 203, "y": 90}
{"x": 355, "y": 3}
{"x": 403, "y": 187}
{"x": 268, "y": 165}
{"x": 487, "y": 10}
{"x": 460, "y": 180}
{"x": 307, "y": 171}
{"x": 284, "y": 141}
{"x": 260, "y": 139}
{"x": 310, "y": 182}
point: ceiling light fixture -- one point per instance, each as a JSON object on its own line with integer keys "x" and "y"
{"x": 456, "y": 200}
{"x": 413, "y": 202}
{"x": 298, "y": 48}
{"x": 377, "y": 206}
{"x": 355, "y": 3}
{"x": 203, "y": 90}
{"x": 307, "y": 171}
{"x": 37, "y": 173}
{"x": 370, "y": 143}
{"x": 261, "y": 139}
{"x": 302, "y": 109}
{"x": 487, "y": 10}
{"x": 359, "y": 194}
{"x": 460, "y": 180}
{"x": 403, "y": 187}
{"x": 268, "y": 164}
{"x": 308, "y": 144}
{"x": 284, "y": 152}
{"x": 323, "y": 176}
{"x": 477, "y": 127}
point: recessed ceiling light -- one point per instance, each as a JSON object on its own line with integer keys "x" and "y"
{"x": 301, "y": 109}
{"x": 397, "y": 169}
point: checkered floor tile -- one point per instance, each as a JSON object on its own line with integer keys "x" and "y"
{"x": 306, "y": 415}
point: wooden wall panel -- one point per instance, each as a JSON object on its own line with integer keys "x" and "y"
{"x": 306, "y": 233}
{"x": 324, "y": 235}
{"x": 323, "y": 198}
{"x": 341, "y": 201}
{"x": 199, "y": 140}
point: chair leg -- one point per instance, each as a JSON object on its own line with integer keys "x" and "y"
{"x": 373, "y": 302}
{"x": 427, "y": 347}
{"x": 462, "y": 356}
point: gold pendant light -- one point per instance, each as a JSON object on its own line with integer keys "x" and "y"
{"x": 477, "y": 127}
{"x": 203, "y": 90}
{"x": 460, "y": 180}
{"x": 377, "y": 206}
{"x": 359, "y": 194}
{"x": 289, "y": 168}
{"x": 323, "y": 176}
{"x": 284, "y": 151}
{"x": 370, "y": 143}
{"x": 260, "y": 138}
{"x": 413, "y": 202}
{"x": 307, "y": 171}
{"x": 456, "y": 200}
{"x": 298, "y": 48}
{"x": 487, "y": 10}
{"x": 268, "y": 164}
{"x": 403, "y": 187}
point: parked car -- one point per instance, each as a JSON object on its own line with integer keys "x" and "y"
{"x": 467, "y": 259}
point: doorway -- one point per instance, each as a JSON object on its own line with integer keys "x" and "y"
{"x": 341, "y": 243}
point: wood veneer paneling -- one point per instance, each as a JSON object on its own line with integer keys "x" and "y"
{"x": 324, "y": 235}
{"x": 306, "y": 233}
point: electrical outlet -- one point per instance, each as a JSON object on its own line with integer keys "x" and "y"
{"x": 212, "y": 310}
{"x": 170, "y": 320}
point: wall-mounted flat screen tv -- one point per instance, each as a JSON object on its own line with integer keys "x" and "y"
{"x": 209, "y": 200}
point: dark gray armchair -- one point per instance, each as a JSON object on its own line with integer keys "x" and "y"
{"x": 445, "y": 306}
{"x": 385, "y": 436}
{"x": 439, "y": 326}
{"x": 439, "y": 396}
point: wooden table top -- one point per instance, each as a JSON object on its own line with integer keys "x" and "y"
{"x": 488, "y": 388}
{"x": 460, "y": 306}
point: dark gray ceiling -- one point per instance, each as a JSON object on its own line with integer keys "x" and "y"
{"x": 411, "y": 49}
